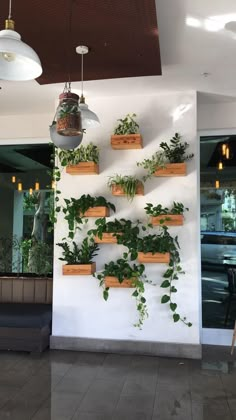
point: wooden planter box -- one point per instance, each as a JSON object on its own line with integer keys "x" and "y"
{"x": 99, "y": 211}
{"x": 79, "y": 269}
{"x": 154, "y": 258}
{"x": 174, "y": 219}
{"x": 127, "y": 141}
{"x": 83, "y": 168}
{"x": 111, "y": 281}
{"x": 172, "y": 169}
{"x": 107, "y": 238}
{"x": 118, "y": 190}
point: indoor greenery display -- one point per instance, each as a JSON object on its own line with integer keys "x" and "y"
{"x": 89, "y": 153}
{"x": 123, "y": 270}
{"x": 127, "y": 125}
{"x": 74, "y": 254}
{"x": 176, "y": 208}
{"x": 75, "y": 209}
{"x": 128, "y": 183}
{"x": 118, "y": 227}
{"x": 174, "y": 152}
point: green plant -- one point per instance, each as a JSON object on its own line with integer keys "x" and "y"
{"x": 176, "y": 208}
{"x": 127, "y": 182}
{"x": 174, "y": 152}
{"x": 127, "y": 125}
{"x": 123, "y": 271}
{"x": 89, "y": 153}
{"x": 67, "y": 109}
{"x": 115, "y": 226}
{"x": 76, "y": 254}
{"x": 40, "y": 258}
{"x": 75, "y": 209}
{"x": 30, "y": 200}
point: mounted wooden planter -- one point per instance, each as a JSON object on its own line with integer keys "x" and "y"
{"x": 127, "y": 141}
{"x": 99, "y": 211}
{"x": 174, "y": 219}
{"x": 172, "y": 169}
{"x": 78, "y": 269}
{"x": 154, "y": 258}
{"x": 83, "y": 168}
{"x": 107, "y": 238}
{"x": 111, "y": 281}
{"x": 118, "y": 190}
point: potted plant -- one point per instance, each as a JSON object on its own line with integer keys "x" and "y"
{"x": 81, "y": 161}
{"x": 79, "y": 260}
{"x": 169, "y": 161}
{"x": 123, "y": 274}
{"x": 126, "y": 134}
{"x": 110, "y": 232}
{"x": 77, "y": 210}
{"x": 126, "y": 185}
{"x": 164, "y": 215}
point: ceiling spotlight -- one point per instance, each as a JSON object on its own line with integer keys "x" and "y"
{"x": 89, "y": 118}
{"x": 18, "y": 61}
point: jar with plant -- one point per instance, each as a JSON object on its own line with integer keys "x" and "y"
{"x": 121, "y": 273}
{"x": 79, "y": 259}
{"x": 126, "y": 185}
{"x": 81, "y": 161}
{"x": 172, "y": 216}
{"x": 126, "y": 134}
{"x": 170, "y": 160}
{"x": 78, "y": 210}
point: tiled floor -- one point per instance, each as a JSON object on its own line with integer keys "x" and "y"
{"x": 89, "y": 386}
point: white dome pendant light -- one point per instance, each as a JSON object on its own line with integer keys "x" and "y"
{"x": 18, "y": 61}
{"x": 89, "y": 118}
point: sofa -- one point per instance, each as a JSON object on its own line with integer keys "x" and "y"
{"x": 25, "y": 313}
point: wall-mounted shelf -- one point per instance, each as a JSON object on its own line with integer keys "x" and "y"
{"x": 125, "y": 142}
{"x": 169, "y": 220}
{"x": 118, "y": 190}
{"x": 78, "y": 269}
{"x": 107, "y": 238}
{"x": 158, "y": 257}
{"x": 111, "y": 281}
{"x": 172, "y": 169}
{"x": 83, "y": 168}
{"x": 99, "y": 211}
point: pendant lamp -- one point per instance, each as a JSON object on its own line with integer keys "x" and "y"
{"x": 89, "y": 118}
{"x": 64, "y": 142}
{"x": 18, "y": 61}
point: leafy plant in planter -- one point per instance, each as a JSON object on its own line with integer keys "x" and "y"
{"x": 115, "y": 226}
{"x": 174, "y": 152}
{"x": 89, "y": 153}
{"x": 76, "y": 254}
{"x": 127, "y": 125}
{"x": 177, "y": 208}
{"x": 126, "y": 185}
{"x": 123, "y": 270}
{"x": 75, "y": 210}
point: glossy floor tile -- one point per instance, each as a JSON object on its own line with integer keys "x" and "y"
{"x": 61, "y": 385}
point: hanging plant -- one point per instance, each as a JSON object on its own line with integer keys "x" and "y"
{"x": 172, "y": 153}
{"x": 75, "y": 210}
{"x": 123, "y": 271}
{"x": 88, "y": 153}
{"x": 126, "y": 185}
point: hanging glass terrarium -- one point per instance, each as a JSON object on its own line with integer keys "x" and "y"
{"x": 68, "y": 117}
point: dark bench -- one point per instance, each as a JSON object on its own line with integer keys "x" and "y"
{"x": 25, "y": 313}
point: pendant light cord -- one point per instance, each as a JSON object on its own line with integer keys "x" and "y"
{"x": 82, "y": 74}
{"x": 9, "y": 14}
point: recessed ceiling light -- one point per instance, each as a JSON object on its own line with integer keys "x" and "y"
{"x": 205, "y": 74}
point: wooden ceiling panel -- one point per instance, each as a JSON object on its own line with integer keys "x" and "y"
{"x": 122, "y": 36}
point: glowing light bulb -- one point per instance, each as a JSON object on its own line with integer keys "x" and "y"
{"x": 19, "y": 186}
{"x": 220, "y": 166}
{"x": 30, "y": 191}
{"x": 7, "y": 56}
{"x": 217, "y": 184}
{"x": 227, "y": 152}
{"x": 36, "y": 186}
{"x": 13, "y": 179}
{"x": 224, "y": 148}
{"x": 53, "y": 185}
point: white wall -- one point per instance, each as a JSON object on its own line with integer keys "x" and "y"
{"x": 216, "y": 116}
{"x": 78, "y": 308}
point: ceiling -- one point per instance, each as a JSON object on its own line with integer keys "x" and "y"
{"x": 122, "y": 37}
{"x": 23, "y": 158}
{"x": 187, "y": 52}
